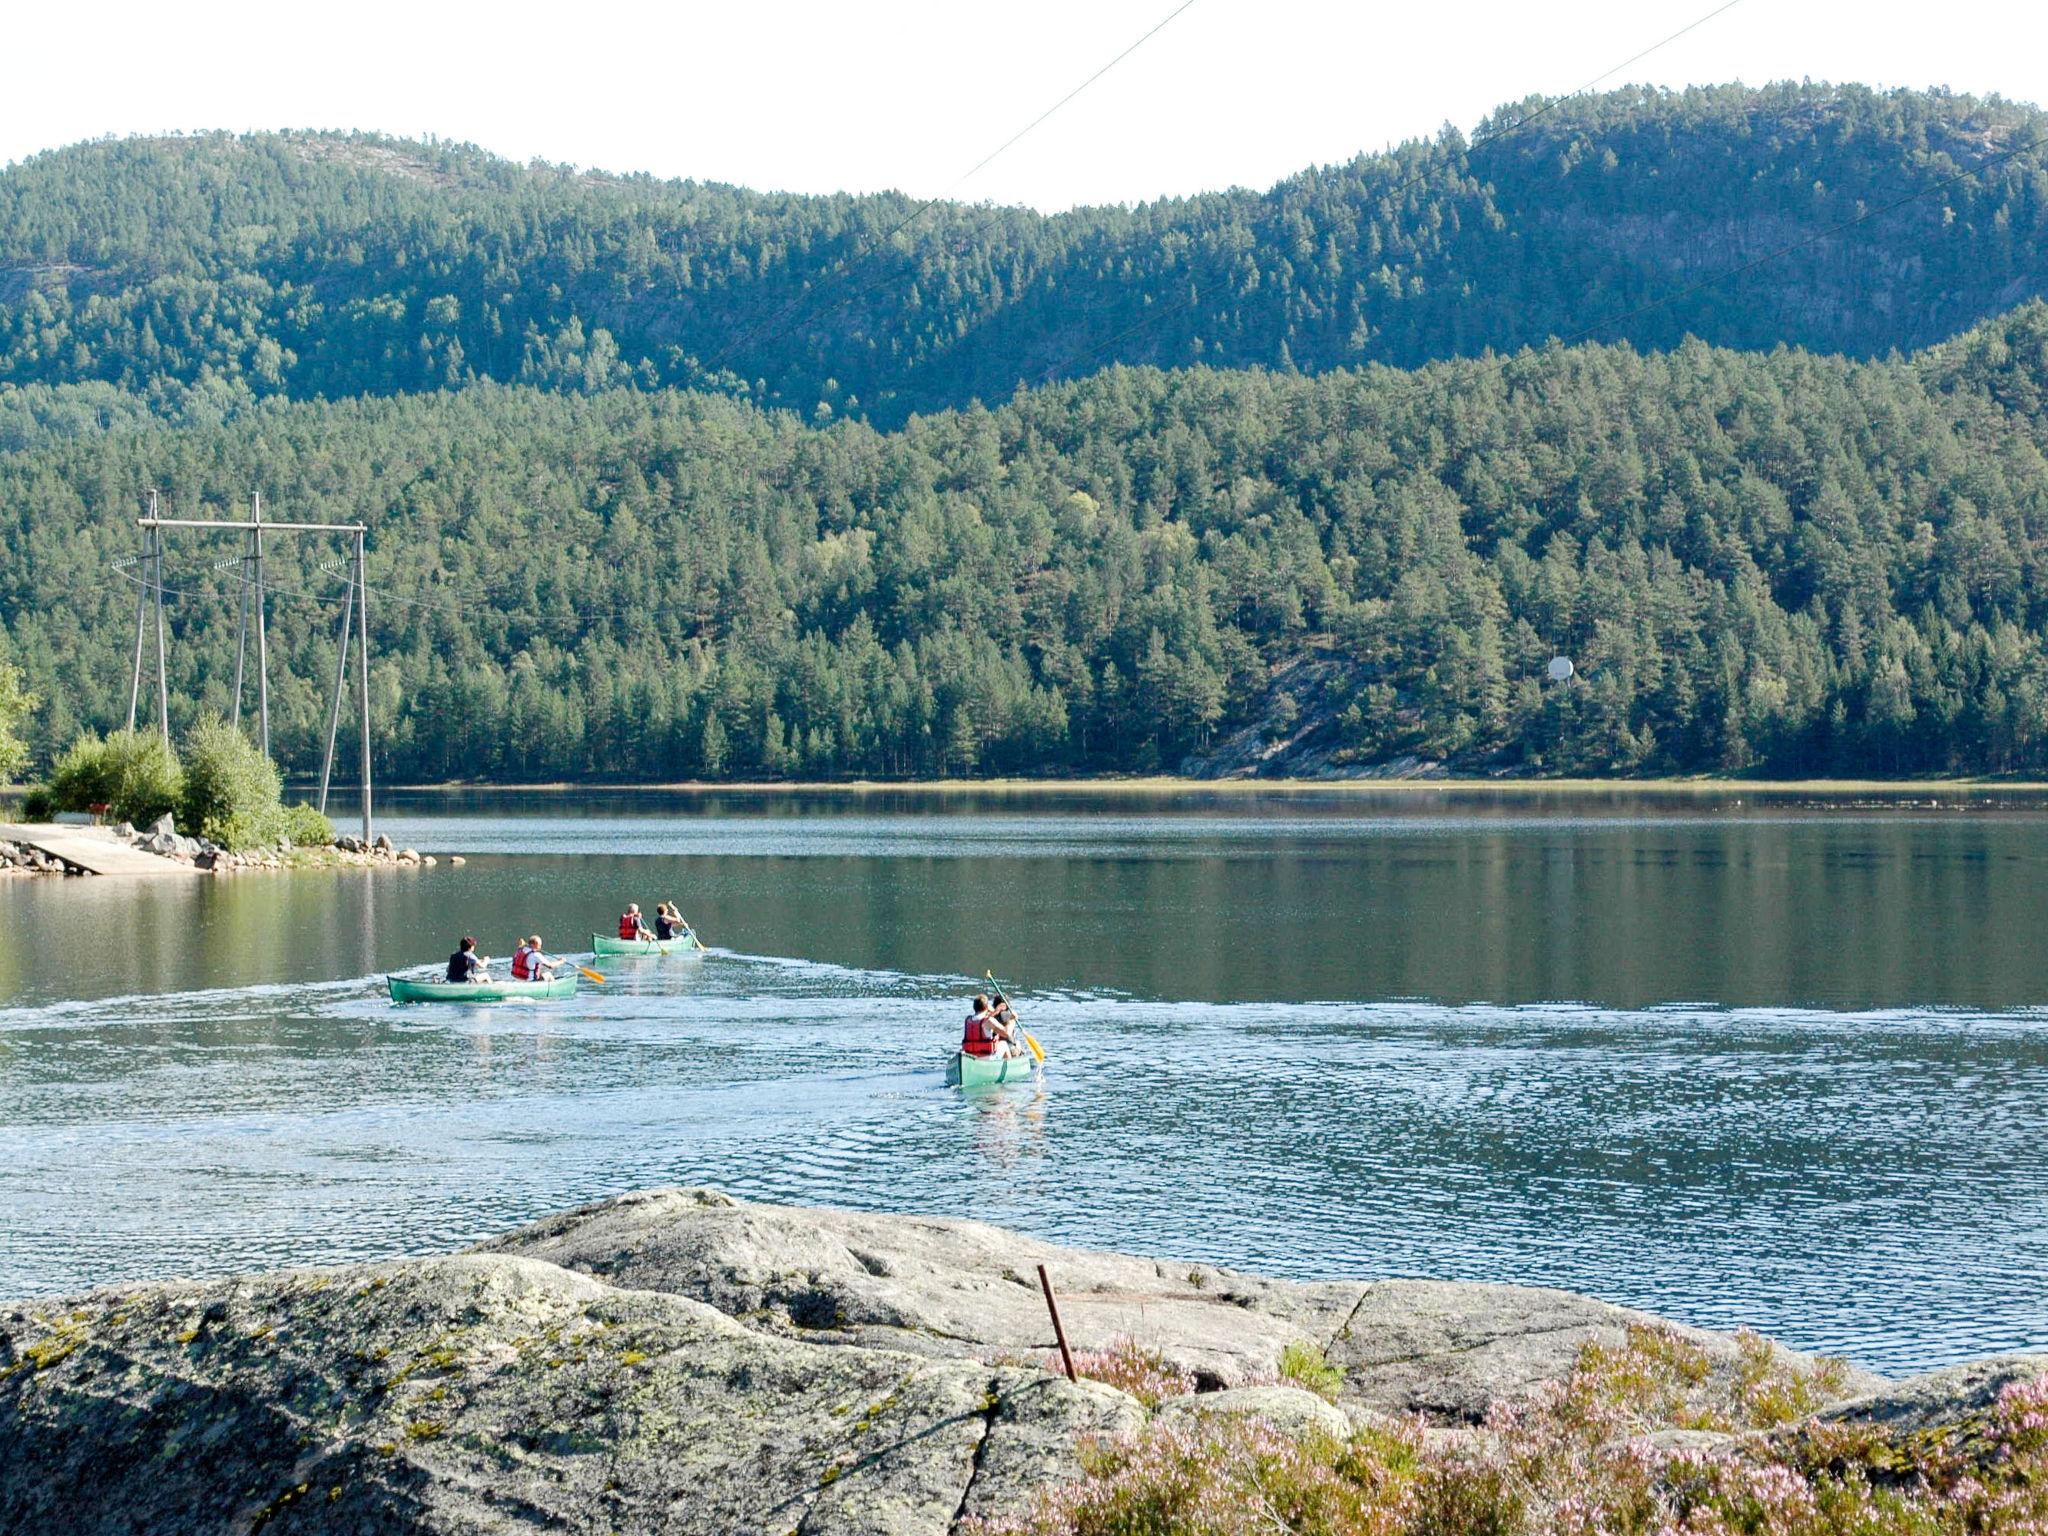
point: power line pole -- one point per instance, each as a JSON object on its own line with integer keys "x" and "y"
{"x": 363, "y": 672}
{"x": 163, "y": 678}
{"x": 141, "y": 618}
{"x": 262, "y": 640}
{"x": 340, "y": 671}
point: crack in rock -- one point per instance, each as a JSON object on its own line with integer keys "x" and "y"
{"x": 993, "y": 1405}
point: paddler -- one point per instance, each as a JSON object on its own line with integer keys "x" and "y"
{"x": 668, "y": 922}
{"x": 466, "y": 964}
{"x": 632, "y": 925}
{"x": 1005, "y": 1020}
{"x": 979, "y": 1037}
{"x": 529, "y": 963}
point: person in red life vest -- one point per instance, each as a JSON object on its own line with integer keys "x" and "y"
{"x": 986, "y": 1032}
{"x": 632, "y": 925}
{"x": 978, "y": 1037}
{"x": 529, "y": 963}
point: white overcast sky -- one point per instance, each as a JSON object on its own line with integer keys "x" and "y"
{"x": 815, "y": 97}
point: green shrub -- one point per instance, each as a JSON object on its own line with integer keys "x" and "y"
{"x": 232, "y": 791}
{"x": 37, "y": 805}
{"x": 132, "y": 772}
{"x": 306, "y": 827}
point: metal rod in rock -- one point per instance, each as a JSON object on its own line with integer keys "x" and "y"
{"x": 1059, "y": 1330}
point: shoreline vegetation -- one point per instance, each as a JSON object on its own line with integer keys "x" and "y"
{"x": 1171, "y": 785}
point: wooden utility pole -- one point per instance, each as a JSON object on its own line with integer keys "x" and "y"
{"x": 262, "y": 641}
{"x": 348, "y": 609}
{"x": 141, "y": 619}
{"x": 363, "y": 670}
{"x": 163, "y": 679}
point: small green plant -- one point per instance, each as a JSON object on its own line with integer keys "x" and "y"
{"x": 306, "y": 827}
{"x": 1304, "y": 1365}
{"x": 1772, "y": 1389}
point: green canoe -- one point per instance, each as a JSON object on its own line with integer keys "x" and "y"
{"x": 603, "y": 944}
{"x": 480, "y": 991}
{"x": 965, "y": 1071}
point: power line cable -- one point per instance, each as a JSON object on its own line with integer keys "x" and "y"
{"x": 124, "y": 569}
{"x": 1484, "y": 141}
{"x": 810, "y": 294}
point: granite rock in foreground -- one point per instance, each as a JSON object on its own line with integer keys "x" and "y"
{"x": 958, "y": 1288}
{"x": 682, "y": 1362}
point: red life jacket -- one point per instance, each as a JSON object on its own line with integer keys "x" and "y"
{"x": 630, "y": 925}
{"x": 977, "y": 1039}
{"x": 523, "y": 966}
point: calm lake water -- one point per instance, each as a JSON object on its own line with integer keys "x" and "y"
{"x": 1779, "y": 1063}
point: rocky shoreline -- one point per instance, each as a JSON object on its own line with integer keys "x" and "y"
{"x": 681, "y": 1361}
{"x": 166, "y": 842}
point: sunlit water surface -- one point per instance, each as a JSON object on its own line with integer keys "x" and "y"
{"x": 1776, "y": 1068}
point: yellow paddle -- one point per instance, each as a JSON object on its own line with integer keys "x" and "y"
{"x": 1037, "y": 1050}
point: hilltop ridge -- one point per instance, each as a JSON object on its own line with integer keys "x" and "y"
{"x": 322, "y": 265}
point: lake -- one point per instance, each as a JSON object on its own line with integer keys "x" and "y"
{"x": 1735, "y": 1058}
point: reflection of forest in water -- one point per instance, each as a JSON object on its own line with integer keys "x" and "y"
{"x": 1507, "y": 903}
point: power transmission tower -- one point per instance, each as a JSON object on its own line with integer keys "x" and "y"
{"x": 356, "y": 612}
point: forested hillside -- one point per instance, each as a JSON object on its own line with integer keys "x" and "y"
{"x": 1777, "y": 561}
{"x": 325, "y": 266}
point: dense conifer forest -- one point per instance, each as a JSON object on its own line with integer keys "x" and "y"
{"x": 669, "y": 479}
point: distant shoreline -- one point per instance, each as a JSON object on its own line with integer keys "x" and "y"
{"x": 1167, "y": 784}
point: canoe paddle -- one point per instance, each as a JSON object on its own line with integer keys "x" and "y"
{"x": 1037, "y": 1050}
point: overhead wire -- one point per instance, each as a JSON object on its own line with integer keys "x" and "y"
{"x": 1483, "y": 141}
{"x": 124, "y": 568}
{"x": 810, "y": 293}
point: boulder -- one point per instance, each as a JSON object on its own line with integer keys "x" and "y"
{"x": 457, "y": 861}
{"x": 383, "y": 843}
{"x": 1957, "y": 1395}
{"x": 125, "y": 831}
{"x": 485, "y": 1392}
{"x": 408, "y": 856}
{"x": 163, "y": 826}
{"x": 681, "y": 1361}
{"x": 959, "y": 1288}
